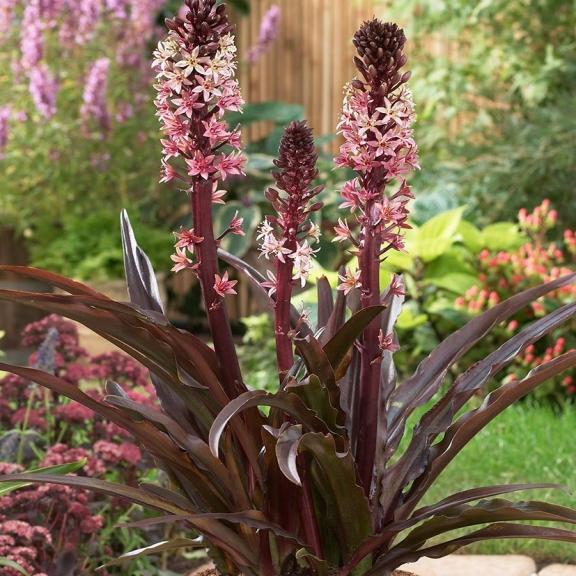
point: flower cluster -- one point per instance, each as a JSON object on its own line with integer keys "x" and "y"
{"x": 196, "y": 86}
{"x": 76, "y": 23}
{"x": 503, "y": 272}
{"x": 287, "y": 238}
{"x": 43, "y": 87}
{"x": 540, "y": 220}
{"x": 71, "y": 516}
{"x": 267, "y": 35}
{"x": 376, "y": 125}
{"x": 24, "y": 544}
{"x": 94, "y": 105}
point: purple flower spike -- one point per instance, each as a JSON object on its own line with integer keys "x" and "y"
{"x": 269, "y": 29}
{"x": 94, "y": 106}
{"x": 44, "y": 89}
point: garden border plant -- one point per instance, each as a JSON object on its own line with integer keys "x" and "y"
{"x": 318, "y": 484}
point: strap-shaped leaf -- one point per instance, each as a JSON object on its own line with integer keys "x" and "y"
{"x": 76, "y": 288}
{"x": 466, "y": 496}
{"x": 53, "y": 279}
{"x": 122, "y": 327}
{"x": 335, "y": 481}
{"x": 429, "y": 375}
{"x": 325, "y": 301}
{"x": 156, "y": 442}
{"x": 498, "y": 531}
{"x": 217, "y": 532}
{"x": 130, "y": 493}
{"x": 338, "y": 347}
{"x": 468, "y": 425}
{"x": 414, "y": 461}
{"x": 451, "y": 502}
{"x": 62, "y": 469}
{"x": 140, "y": 277}
{"x": 195, "y": 447}
{"x": 485, "y": 512}
{"x": 289, "y": 403}
{"x": 157, "y": 548}
{"x": 251, "y": 518}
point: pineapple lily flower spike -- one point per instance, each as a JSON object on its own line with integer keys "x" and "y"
{"x": 321, "y": 484}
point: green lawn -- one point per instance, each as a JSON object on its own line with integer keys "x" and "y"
{"x": 525, "y": 444}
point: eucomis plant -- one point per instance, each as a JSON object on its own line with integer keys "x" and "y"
{"x": 327, "y": 479}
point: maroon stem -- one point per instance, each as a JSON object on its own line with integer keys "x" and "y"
{"x": 370, "y": 356}
{"x": 284, "y": 350}
{"x": 285, "y": 358}
{"x": 206, "y": 251}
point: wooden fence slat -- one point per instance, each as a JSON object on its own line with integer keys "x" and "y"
{"x": 310, "y": 61}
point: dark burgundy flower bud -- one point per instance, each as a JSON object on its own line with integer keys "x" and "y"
{"x": 205, "y": 24}
{"x": 380, "y": 46}
{"x": 296, "y": 159}
{"x": 295, "y": 179}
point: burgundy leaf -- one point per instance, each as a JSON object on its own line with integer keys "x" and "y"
{"x": 215, "y": 531}
{"x": 498, "y": 531}
{"x": 289, "y": 403}
{"x": 416, "y": 458}
{"x": 468, "y": 425}
{"x": 325, "y": 301}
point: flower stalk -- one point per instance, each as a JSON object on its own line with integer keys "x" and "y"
{"x": 195, "y": 70}
{"x": 287, "y": 237}
{"x": 379, "y": 147}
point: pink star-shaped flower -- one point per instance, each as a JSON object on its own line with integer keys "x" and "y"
{"x": 224, "y": 286}
{"x": 201, "y": 165}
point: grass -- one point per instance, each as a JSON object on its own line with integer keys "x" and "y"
{"x": 525, "y": 444}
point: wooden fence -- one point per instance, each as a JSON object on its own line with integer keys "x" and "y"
{"x": 309, "y": 63}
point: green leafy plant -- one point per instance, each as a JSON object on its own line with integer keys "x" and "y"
{"x": 322, "y": 483}
{"x": 454, "y": 271}
{"x": 88, "y": 247}
{"x": 495, "y": 82}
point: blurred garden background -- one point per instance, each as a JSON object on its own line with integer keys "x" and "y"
{"x": 494, "y": 82}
